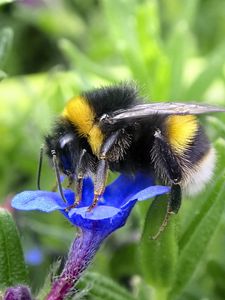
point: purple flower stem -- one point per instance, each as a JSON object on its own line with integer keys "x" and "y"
{"x": 83, "y": 249}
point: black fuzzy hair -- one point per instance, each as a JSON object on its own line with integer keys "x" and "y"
{"x": 111, "y": 98}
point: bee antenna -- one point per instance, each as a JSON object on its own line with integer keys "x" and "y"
{"x": 40, "y": 168}
{"x": 55, "y": 164}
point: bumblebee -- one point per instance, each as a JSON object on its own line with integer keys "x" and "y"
{"x": 112, "y": 128}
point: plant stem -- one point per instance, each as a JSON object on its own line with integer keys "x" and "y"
{"x": 83, "y": 249}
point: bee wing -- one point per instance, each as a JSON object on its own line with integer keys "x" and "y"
{"x": 173, "y": 108}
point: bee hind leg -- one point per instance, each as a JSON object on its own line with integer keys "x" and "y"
{"x": 174, "y": 172}
{"x": 175, "y": 199}
{"x": 173, "y": 206}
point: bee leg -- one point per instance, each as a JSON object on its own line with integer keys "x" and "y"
{"x": 164, "y": 154}
{"x": 108, "y": 144}
{"x": 174, "y": 172}
{"x": 100, "y": 182}
{"x": 175, "y": 199}
{"x": 40, "y": 168}
{"x": 162, "y": 227}
{"x": 57, "y": 172}
{"x": 54, "y": 187}
{"x": 102, "y": 168}
{"x": 81, "y": 172}
{"x": 79, "y": 181}
{"x": 172, "y": 208}
{"x": 79, "y": 187}
{"x": 70, "y": 181}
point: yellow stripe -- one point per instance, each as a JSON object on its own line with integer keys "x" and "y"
{"x": 80, "y": 113}
{"x": 181, "y": 131}
{"x": 95, "y": 139}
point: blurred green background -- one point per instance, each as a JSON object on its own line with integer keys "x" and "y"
{"x": 52, "y": 50}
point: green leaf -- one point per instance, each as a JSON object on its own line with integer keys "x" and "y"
{"x": 2, "y": 75}
{"x": 203, "y": 203}
{"x": 179, "y": 45}
{"x": 141, "y": 288}
{"x": 2, "y": 2}
{"x": 123, "y": 35}
{"x": 217, "y": 123}
{"x": 6, "y": 36}
{"x": 198, "y": 235}
{"x": 217, "y": 273}
{"x": 12, "y": 266}
{"x": 213, "y": 69}
{"x": 159, "y": 256}
{"x": 124, "y": 261}
{"x": 104, "y": 288}
{"x": 82, "y": 62}
{"x": 190, "y": 10}
{"x": 152, "y": 50}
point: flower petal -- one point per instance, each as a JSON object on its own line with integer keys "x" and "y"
{"x": 151, "y": 192}
{"x": 50, "y": 201}
{"x": 112, "y": 210}
{"x": 124, "y": 187}
{"x": 102, "y": 218}
{"x": 87, "y": 192}
{"x": 98, "y": 213}
{"x": 40, "y": 200}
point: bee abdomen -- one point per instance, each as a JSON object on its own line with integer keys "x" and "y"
{"x": 198, "y": 163}
{"x": 191, "y": 155}
{"x": 196, "y": 177}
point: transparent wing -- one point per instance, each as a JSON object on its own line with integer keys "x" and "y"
{"x": 174, "y": 108}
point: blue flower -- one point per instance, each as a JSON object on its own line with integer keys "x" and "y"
{"x": 34, "y": 256}
{"x": 112, "y": 210}
{"x": 110, "y": 213}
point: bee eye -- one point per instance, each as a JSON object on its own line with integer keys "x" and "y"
{"x": 65, "y": 140}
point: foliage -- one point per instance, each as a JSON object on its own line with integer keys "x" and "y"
{"x": 174, "y": 50}
{"x": 12, "y": 264}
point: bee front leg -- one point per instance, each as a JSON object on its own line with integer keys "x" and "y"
{"x": 80, "y": 176}
{"x": 79, "y": 180}
{"x": 78, "y": 188}
{"x": 100, "y": 182}
{"x": 102, "y": 168}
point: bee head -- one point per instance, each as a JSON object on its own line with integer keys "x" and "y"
{"x": 66, "y": 144}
